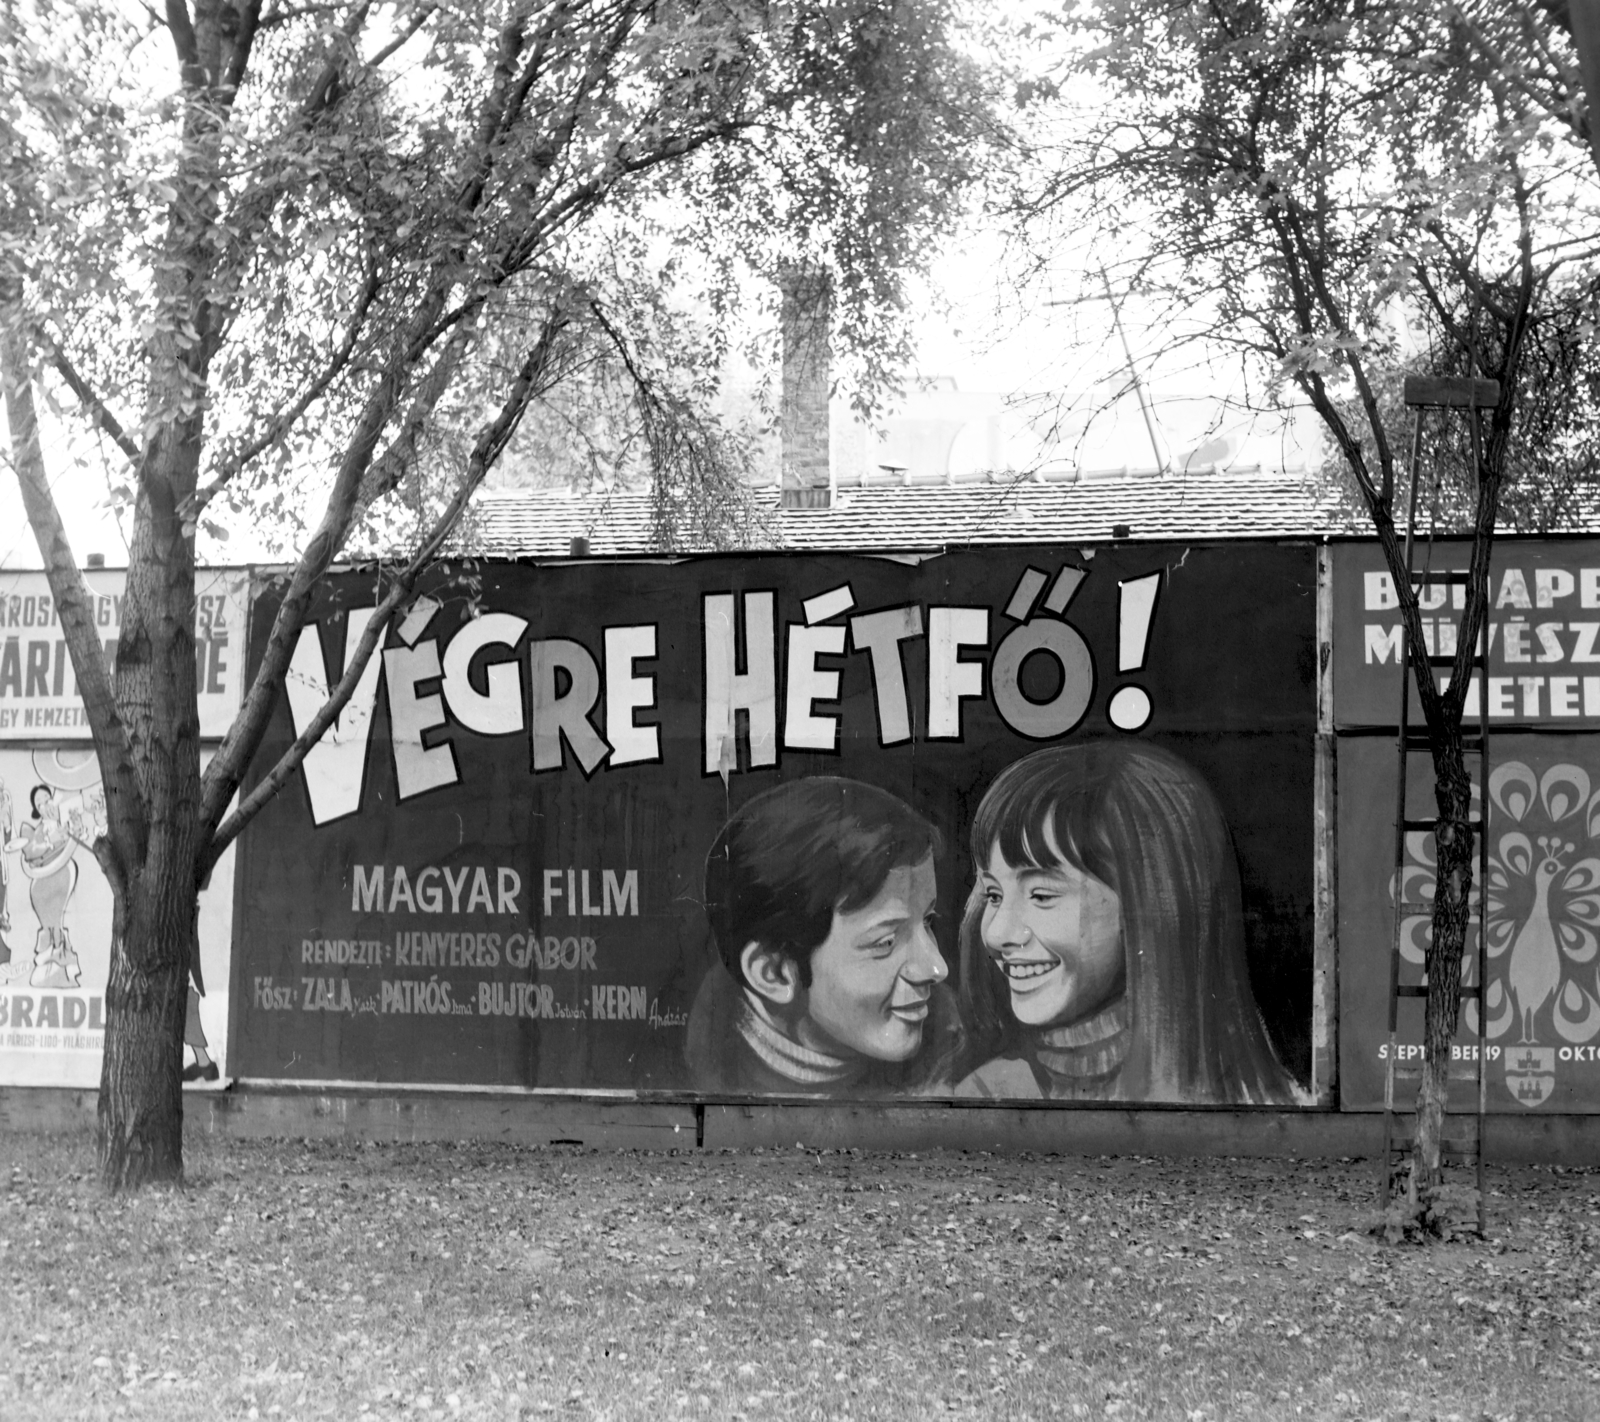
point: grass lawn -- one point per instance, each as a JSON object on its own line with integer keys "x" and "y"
{"x": 294, "y": 1280}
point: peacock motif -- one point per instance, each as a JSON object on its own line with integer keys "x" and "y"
{"x": 1534, "y": 966}
{"x": 1543, "y": 903}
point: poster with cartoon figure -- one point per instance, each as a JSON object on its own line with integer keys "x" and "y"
{"x": 55, "y": 929}
{"x": 1010, "y": 823}
{"x": 1542, "y": 954}
{"x": 7, "y": 833}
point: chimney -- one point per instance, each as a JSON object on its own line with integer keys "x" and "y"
{"x": 807, "y": 381}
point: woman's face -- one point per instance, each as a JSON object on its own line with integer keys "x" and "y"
{"x": 1056, "y": 934}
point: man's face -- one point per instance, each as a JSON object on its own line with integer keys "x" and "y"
{"x": 873, "y": 975}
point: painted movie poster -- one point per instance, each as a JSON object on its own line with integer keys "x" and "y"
{"x": 39, "y": 699}
{"x": 1543, "y": 628}
{"x": 1542, "y": 956}
{"x": 1012, "y": 824}
{"x": 55, "y": 930}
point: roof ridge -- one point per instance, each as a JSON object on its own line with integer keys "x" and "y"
{"x": 1279, "y": 503}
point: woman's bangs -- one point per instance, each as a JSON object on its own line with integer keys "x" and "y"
{"x": 1036, "y": 826}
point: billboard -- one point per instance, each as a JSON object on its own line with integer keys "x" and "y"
{"x": 1544, "y": 633}
{"x": 38, "y": 692}
{"x": 1542, "y": 995}
{"x": 1021, "y": 824}
{"x": 55, "y": 929}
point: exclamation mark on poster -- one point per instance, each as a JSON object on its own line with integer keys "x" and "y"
{"x": 1136, "y": 610}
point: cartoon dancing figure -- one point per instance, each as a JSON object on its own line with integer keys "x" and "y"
{"x": 202, "y": 1068}
{"x": 7, "y": 827}
{"x": 49, "y": 859}
{"x": 1102, "y": 950}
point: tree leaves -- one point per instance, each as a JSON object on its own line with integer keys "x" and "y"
{"x": 310, "y": 269}
{"x": 407, "y": 150}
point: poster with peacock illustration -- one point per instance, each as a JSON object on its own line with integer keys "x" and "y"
{"x": 1541, "y": 998}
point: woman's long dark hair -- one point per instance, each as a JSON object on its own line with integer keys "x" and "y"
{"x": 1142, "y": 822}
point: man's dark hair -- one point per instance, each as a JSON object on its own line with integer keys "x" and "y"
{"x": 789, "y": 858}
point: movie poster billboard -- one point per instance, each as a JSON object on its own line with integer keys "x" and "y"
{"x": 38, "y": 691}
{"x": 1542, "y": 995}
{"x": 1544, "y": 632}
{"x": 1019, "y": 824}
{"x": 55, "y": 930}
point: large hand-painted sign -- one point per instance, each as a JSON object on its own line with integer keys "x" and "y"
{"x": 1544, "y": 632}
{"x": 55, "y": 929}
{"x": 1010, "y": 823}
{"x": 1542, "y": 994}
{"x": 38, "y": 692}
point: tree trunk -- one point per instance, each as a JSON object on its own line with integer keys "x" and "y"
{"x": 1584, "y": 25}
{"x": 140, "y": 1132}
{"x": 1453, "y": 889}
{"x": 155, "y": 883}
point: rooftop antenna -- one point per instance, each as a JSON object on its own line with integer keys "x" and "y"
{"x": 1133, "y": 370}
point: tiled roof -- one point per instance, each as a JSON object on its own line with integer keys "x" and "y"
{"x": 890, "y": 516}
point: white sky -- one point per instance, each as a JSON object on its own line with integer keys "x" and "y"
{"x": 1061, "y": 363}
{"x": 1056, "y": 364}
{"x": 80, "y": 488}
{"x": 1057, "y": 367}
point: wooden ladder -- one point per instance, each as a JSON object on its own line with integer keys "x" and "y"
{"x": 1399, "y": 1123}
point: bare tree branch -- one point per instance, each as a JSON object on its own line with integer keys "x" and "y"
{"x": 219, "y": 787}
{"x": 238, "y": 745}
{"x": 97, "y": 408}
{"x": 181, "y": 29}
{"x": 285, "y": 418}
{"x": 403, "y": 35}
{"x": 324, "y": 91}
{"x": 390, "y": 467}
{"x": 74, "y": 602}
{"x": 244, "y": 39}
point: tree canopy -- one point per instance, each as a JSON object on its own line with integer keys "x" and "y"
{"x": 1342, "y": 193}
{"x": 308, "y": 267}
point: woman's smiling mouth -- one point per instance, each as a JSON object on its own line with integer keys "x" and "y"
{"x": 1022, "y": 971}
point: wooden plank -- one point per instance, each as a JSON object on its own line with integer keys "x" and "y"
{"x": 447, "y": 1116}
{"x": 53, "y": 1109}
{"x": 1068, "y": 1130}
{"x": 869, "y": 1126}
{"x": 1325, "y": 918}
{"x": 1044, "y": 1128}
{"x": 1452, "y": 392}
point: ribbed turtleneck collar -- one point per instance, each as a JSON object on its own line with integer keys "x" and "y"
{"x": 1092, "y": 1049}
{"x": 805, "y": 1066}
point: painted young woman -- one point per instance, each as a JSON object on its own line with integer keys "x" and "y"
{"x": 1102, "y": 949}
{"x": 49, "y": 851}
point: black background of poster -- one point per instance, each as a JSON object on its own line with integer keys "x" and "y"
{"x": 1230, "y": 670}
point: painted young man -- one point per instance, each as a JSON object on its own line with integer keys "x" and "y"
{"x": 821, "y": 899}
